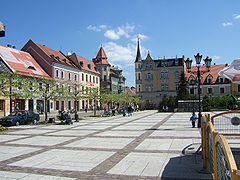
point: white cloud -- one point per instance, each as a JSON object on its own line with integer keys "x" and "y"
{"x": 216, "y": 57}
{"x": 116, "y": 34}
{"x": 225, "y": 24}
{"x": 111, "y": 34}
{"x": 97, "y": 28}
{"x": 124, "y": 55}
{"x": 236, "y": 16}
{"x": 140, "y": 36}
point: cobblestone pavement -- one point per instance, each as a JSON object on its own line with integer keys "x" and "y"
{"x": 147, "y": 145}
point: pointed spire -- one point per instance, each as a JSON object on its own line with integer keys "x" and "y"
{"x": 101, "y": 54}
{"x": 148, "y": 58}
{"x": 138, "y": 57}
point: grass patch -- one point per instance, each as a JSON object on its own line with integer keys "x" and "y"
{"x": 2, "y": 128}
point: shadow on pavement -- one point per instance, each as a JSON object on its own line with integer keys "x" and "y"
{"x": 185, "y": 166}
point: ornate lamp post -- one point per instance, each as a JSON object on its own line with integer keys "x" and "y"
{"x": 207, "y": 61}
{"x": 2, "y": 29}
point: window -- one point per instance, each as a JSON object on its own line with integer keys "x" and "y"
{"x": 105, "y": 69}
{"x": 139, "y": 76}
{"x": 209, "y": 90}
{"x": 86, "y": 77}
{"x": 57, "y": 105}
{"x": 177, "y": 86}
{"x": 62, "y": 75}
{"x": 32, "y": 68}
{"x": 209, "y": 79}
{"x": 139, "y": 88}
{"x": 164, "y": 75}
{"x": 221, "y": 80}
{"x": 191, "y": 90}
{"x": 177, "y": 75}
{"x": 57, "y": 73}
{"x": 82, "y": 77}
{"x": 69, "y": 105}
{"x": 105, "y": 78}
{"x": 238, "y": 88}
{"x": 96, "y": 79}
{"x": 149, "y": 76}
{"x": 90, "y": 78}
{"x": 40, "y": 86}
{"x": 93, "y": 79}
{"x": 75, "y": 77}
{"x": 69, "y": 76}
{"x": 222, "y": 90}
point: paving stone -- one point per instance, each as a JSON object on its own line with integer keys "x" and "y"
{"x": 94, "y": 142}
{"x": 42, "y": 140}
{"x": 74, "y": 160}
{"x": 72, "y": 132}
{"x": 5, "y": 175}
{"x": 7, "y": 152}
{"x": 120, "y": 133}
{"x": 9, "y": 137}
{"x": 31, "y": 131}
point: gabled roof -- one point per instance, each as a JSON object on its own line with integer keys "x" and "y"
{"x": 214, "y": 69}
{"x": 101, "y": 58}
{"x": 87, "y": 65}
{"x": 149, "y": 58}
{"x": 57, "y": 56}
{"x": 101, "y": 54}
{"x": 21, "y": 62}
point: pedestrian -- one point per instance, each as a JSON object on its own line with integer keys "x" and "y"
{"x": 86, "y": 109}
{"x": 193, "y": 118}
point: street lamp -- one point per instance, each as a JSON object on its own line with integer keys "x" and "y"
{"x": 2, "y": 29}
{"x": 207, "y": 62}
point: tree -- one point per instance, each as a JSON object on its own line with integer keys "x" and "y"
{"x": 94, "y": 94}
{"x": 48, "y": 89}
{"x": 11, "y": 85}
{"x": 182, "y": 93}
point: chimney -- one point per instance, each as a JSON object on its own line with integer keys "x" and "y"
{"x": 226, "y": 65}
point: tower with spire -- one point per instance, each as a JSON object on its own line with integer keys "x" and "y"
{"x": 110, "y": 75}
{"x": 138, "y": 64}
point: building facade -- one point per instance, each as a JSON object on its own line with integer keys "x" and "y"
{"x": 72, "y": 69}
{"x": 22, "y": 63}
{"x": 112, "y": 78}
{"x": 156, "y": 78}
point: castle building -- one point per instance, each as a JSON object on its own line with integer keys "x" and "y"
{"x": 111, "y": 77}
{"x": 156, "y": 78}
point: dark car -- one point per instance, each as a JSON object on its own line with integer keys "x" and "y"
{"x": 19, "y": 117}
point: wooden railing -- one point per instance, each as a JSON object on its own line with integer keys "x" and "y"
{"x": 217, "y": 154}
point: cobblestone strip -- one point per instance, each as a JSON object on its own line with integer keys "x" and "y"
{"x": 120, "y": 154}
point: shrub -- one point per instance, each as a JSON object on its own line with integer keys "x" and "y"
{"x": 2, "y": 128}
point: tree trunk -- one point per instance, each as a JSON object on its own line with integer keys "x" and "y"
{"x": 45, "y": 109}
{"x": 76, "y": 115}
{"x": 94, "y": 108}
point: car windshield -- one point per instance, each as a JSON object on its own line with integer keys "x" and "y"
{"x": 17, "y": 113}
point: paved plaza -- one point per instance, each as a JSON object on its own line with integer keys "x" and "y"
{"x": 147, "y": 145}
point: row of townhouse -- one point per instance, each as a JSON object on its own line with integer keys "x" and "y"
{"x": 158, "y": 78}
{"x": 39, "y": 60}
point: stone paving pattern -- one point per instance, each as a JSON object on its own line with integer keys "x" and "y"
{"x": 147, "y": 145}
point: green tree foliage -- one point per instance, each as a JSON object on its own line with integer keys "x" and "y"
{"x": 168, "y": 103}
{"x": 182, "y": 93}
{"x": 12, "y": 85}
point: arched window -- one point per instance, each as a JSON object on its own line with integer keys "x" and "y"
{"x": 209, "y": 79}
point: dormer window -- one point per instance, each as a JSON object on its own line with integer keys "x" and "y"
{"x": 52, "y": 56}
{"x": 221, "y": 79}
{"x": 81, "y": 63}
{"x": 32, "y": 68}
{"x": 89, "y": 66}
{"x": 57, "y": 57}
{"x": 209, "y": 79}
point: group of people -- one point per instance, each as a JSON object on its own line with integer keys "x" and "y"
{"x": 65, "y": 117}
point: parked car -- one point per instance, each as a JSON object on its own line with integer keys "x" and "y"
{"x": 20, "y": 117}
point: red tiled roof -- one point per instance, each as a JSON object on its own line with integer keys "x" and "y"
{"x": 214, "y": 69}
{"x": 101, "y": 54}
{"x": 100, "y": 62}
{"x": 58, "y": 55}
{"x": 87, "y": 65}
{"x": 21, "y": 62}
{"x": 130, "y": 90}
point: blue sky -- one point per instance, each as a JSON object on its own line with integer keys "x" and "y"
{"x": 166, "y": 28}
